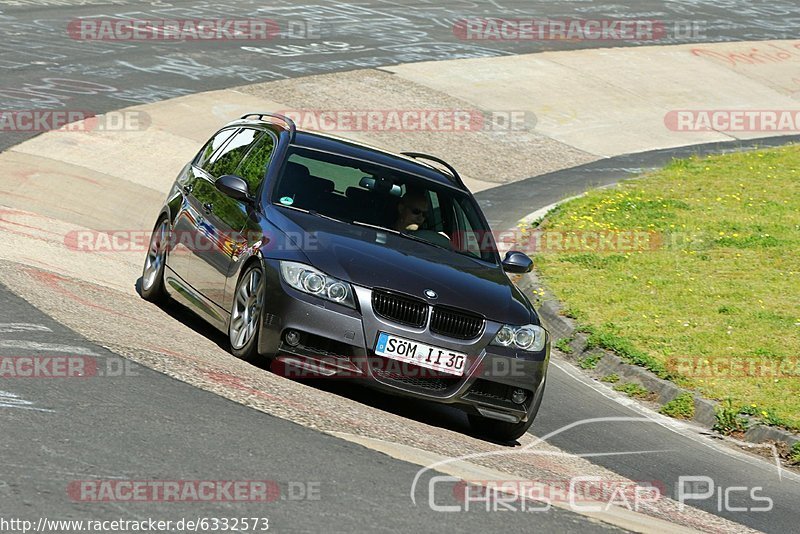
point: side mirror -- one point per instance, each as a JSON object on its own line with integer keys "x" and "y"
{"x": 517, "y": 262}
{"x": 234, "y": 187}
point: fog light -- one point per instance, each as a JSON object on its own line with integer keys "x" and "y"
{"x": 518, "y": 396}
{"x": 292, "y": 338}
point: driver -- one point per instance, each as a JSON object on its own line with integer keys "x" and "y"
{"x": 411, "y": 211}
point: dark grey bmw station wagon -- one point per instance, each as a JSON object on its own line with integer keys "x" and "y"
{"x": 337, "y": 258}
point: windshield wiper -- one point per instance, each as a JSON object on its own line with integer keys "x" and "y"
{"x": 311, "y": 212}
{"x": 402, "y": 234}
{"x": 376, "y": 227}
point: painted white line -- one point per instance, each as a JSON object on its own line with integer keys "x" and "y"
{"x": 45, "y": 347}
{"x": 12, "y": 400}
{"x": 22, "y": 327}
{"x": 681, "y": 428}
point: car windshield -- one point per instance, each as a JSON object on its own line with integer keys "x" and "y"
{"x": 351, "y": 190}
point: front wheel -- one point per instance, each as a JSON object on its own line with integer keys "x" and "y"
{"x": 248, "y": 303}
{"x": 153, "y": 272}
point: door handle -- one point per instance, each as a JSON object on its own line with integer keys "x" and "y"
{"x": 208, "y": 207}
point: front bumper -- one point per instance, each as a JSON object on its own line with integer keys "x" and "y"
{"x": 337, "y": 341}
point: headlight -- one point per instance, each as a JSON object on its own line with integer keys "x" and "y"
{"x": 528, "y": 337}
{"x": 505, "y": 336}
{"x": 314, "y": 282}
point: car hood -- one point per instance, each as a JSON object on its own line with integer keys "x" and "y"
{"x": 374, "y": 258}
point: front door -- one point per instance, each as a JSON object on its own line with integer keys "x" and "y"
{"x": 224, "y": 219}
{"x": 182, "y": 257}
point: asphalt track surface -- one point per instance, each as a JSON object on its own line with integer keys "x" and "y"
{"x": 138, "y": 424}
{"x": 156, "y": 425}
{"x": 43, "y": 65}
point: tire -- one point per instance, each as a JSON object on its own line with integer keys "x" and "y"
{"x": 501, "y": 430}
{"x": 244, "y": 327}
{"x": 153, "y": 271}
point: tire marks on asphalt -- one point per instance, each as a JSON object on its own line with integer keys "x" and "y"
{"x": 22, "y": 327}
{"x": 46, "y": 347}
{"x": 12, "y": 400}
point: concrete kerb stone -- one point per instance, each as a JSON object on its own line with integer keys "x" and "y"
{"x": 551, "y": 312}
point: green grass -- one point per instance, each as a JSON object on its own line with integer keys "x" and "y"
{"x": 606, "y": 338}
{"x": 728, "y": 419}
{"x": 590, "y": 361}
{"x": 633, "y": 390}
{"x": 681, "y": 407}
{"x": 794, "y": 454}
{"x": 563, "y": 344}
{"x": 611, "y": 379}
{"x": 719, "y": 281}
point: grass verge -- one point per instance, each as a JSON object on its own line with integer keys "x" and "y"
{"x": 795, "y": 454}
{"x": 692, "y": 272}
{"x": 633, "y": 390}
{"x": 681, "y": 407}
{"x": 563, "y": 344}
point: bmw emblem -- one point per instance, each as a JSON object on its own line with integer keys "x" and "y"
{"x": 431, "y": 294}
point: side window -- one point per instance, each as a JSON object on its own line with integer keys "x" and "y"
{"x": 471, "y": 241}
{"x": 216, "y": 142}
{"x": 254, "y": 165}
{"x": 226, "y": 160}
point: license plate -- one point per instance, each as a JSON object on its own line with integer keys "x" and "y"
{"x": 406, "y": 350}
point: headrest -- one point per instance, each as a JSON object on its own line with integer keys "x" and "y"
{"x": 296, "y": 171}
{"x": 357, "y": 193}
